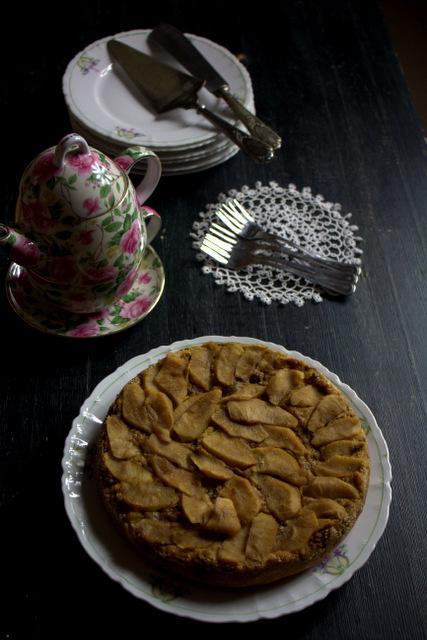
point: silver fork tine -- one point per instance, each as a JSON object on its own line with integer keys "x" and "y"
{"x": 229, "y": 208}
{"x": 229, "y": 222}
{"x": 206, "y": 248}
{"x": 243, "y": 225}
{"x": 223, "y": 248}
{"x": 223, "y": 232}
{"x": 219, "y": 242}
{"x": 245, "y": 213}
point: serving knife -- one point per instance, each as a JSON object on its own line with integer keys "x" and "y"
{"x": 166, "y": 88}
{"x": 181, "y": 48}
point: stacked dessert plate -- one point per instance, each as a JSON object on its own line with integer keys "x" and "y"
{"x": 111, "y": 116}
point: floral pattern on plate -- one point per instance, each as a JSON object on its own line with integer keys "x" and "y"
{"x": 124, "y": 313}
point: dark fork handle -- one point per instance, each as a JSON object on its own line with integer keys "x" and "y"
{"x": 277, "y": 244}
{"x": 329, "y": 284}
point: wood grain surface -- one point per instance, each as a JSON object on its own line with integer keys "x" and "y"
{"x": 325, "y": 75}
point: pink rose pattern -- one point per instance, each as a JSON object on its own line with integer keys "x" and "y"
{"x": 136, "y": 308}
{"x": 124, "y": 313}
{"x": 127, "y": 283}
{"x": 103, "y": 265}
{"x": 89, "y": 330}
{"x": 91, "y": 205}
{"x": 131, "y": 239}
{"x": 124, "y": 162}
{"x": 144, "y": 278}
{"x": 83, "y": 162}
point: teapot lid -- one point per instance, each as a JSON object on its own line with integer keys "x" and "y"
{"x": 74, "y": 179}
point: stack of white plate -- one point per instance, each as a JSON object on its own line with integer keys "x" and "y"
{"x": 111, "y": 117}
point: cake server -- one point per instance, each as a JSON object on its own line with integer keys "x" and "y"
{"x": 166, "y": 88}
{"x": 181, "y": 48}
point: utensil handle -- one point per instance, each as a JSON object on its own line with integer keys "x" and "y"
{"x": 330, "y": 285}
{"x": 254, "y": 125}
{"x": 255, "y": 149}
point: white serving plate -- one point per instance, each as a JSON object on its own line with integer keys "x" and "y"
{"x": 103, "y": 103}
{"x": 122, "y": 562}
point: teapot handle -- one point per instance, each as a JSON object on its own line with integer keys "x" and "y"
{"x": 130, "y": 157}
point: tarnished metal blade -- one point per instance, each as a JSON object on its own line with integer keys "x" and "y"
{"x": 179, "y": 46}
{"x": 164, "y": 87}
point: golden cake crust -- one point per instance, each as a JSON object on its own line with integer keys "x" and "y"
{"x": 233, "y": 464}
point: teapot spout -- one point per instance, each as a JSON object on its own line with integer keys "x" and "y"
{"x": 23, "y": 251}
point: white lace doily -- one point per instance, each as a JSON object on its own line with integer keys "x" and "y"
{"x": 309, "y": 221}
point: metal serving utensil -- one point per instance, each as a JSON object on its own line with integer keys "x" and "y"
{"x": 242, "y": 223}
{"x": 236, "y": 253}
{"x": 181, "y": 48}
{"x": 166, "y": 88}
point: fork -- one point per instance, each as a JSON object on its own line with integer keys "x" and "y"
{"x": 236, "y": 253}
{"x": 242, "y": 223}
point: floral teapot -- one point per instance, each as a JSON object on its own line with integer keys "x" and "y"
{"x": 81, "y": 229}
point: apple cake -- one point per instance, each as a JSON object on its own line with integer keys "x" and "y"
{"x": 233, "y": 464}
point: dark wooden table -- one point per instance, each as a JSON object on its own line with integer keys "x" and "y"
{"x": 325, "y": 74}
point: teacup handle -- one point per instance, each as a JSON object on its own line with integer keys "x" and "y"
{"x": 130, "y": 157}
{"x": 153, "y": 222}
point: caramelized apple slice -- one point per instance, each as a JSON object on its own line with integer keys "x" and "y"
{"x": 281, "y": 383}
{"x": 197, "y": 507}
{"x": 246, "y": 391}
{"x": 277, "y": 462}
{"x": 226, "y": 363}
{"x": 262, "y": 535}
{"x": 174, "y": 451}
{"x": 133, "y": 406}
{"x": 120, "y": 439}
{"x": 232, "y": 550}
{"x": 223, "y": 519}
{"x": 255, "y": 433}
{"x": 233, "y": 451}
{"x": 247, "y": 362}
{"x": 148, "y": 376}
{"x": 131, "y": 471}
{"x": 159, "y": 414}
{"x": 253, "y": 411}
{"x": 342, "y": 448}
{"x": 172, "y": 377}
{"x": 148, "y": 496}
{"x": 325, "y": 508}
{"x": 199, "y": 368}
{"x": 330, "y": 488}
{"x": 154, "y": 531}
{"x": 328, "y": 408}
{"x": 211, "y": 467}
{"x": 245, "y": 498}
{"x": 284, "y": 438}
{"x": 338, "y": 466}
{"x": 307, "y": 396}
{"x": 193, "y": 422}
{"x": 180, "y": 479}
{"x": 300, "y": 531}
{"x": 346, "y": 427}
{"x": 283, "y": 500}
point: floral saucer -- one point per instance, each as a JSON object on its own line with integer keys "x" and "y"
{"x": 127, "y": 311}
